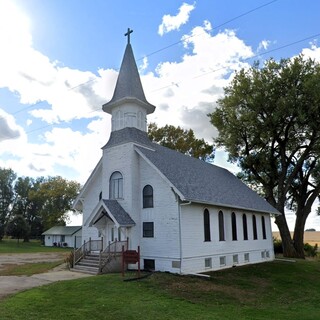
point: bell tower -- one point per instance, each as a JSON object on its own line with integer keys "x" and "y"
{"x": 128, "y": 106}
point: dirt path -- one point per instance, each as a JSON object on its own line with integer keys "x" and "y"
{"x": 13, "y": 284}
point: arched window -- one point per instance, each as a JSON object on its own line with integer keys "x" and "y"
{"x": 147, "y": 194}
{"x": 245, "y": 227}
{"x": 234, "y": 226}
{"x": 100, "y": 195}
{"x": 206, "y": 224}
{"x": 263, "y": 224}
{"x": 254, "y": 227}
{"x": 116, "y": 186}
{"x": 221, "y": 227}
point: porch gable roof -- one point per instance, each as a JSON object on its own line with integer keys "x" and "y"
{"x": 120, "y": 215}
{"x": 112, "y": 209}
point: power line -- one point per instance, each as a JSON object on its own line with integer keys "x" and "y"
{"x": 219, "y": 26}
{"x": 159, "y": 50}
{"x": 175, "y": 84}
{"x": 244, "y": 60}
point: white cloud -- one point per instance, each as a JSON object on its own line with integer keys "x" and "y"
{"x": 184, "y": 92}
{"x": 189, "y": 89}
{"x": 170, "y": 23}
{"x": 313, "y": 52}
{"x": 263, "y": 45}
{"x": 8, "y": 128}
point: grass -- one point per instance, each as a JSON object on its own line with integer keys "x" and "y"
{"x": 12, "y": 246}
{"x": 276, "y": 290}
{"x": 28, "y": 269}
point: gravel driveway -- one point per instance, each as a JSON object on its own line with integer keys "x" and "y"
{"x": 13, "y": 284}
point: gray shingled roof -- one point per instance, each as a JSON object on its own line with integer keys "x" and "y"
{"x": 62, "y": 230}
{"x": 121, "y": 216}
{"x": 128, "y": 135}
{"x": 195, "y": 179}
{"x": 128, "y": 86}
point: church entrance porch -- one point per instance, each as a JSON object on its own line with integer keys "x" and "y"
{"x": 92, "y": 257}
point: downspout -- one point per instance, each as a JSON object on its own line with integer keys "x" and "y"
{"x": 180, "y": 236}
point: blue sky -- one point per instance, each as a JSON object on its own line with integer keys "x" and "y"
{"x": 59, "y": 61}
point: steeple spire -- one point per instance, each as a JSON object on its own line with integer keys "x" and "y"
{"x": 128, "y": 105}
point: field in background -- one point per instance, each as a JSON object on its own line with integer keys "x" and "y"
{"x": 311, "y": 237}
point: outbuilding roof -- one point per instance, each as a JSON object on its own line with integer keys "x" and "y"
{"x": 62, "y": 230}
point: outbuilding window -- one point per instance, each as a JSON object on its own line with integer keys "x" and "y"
{"x": 116, "y": 186}
{"x": 147, "y": 194}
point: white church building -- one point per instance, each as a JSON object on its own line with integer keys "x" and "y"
{"x": 186, "y": 215}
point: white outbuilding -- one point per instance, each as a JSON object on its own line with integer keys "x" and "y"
{"x": 63, "y": 236}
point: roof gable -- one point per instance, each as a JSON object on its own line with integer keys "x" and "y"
{"x": 111, "y": 209}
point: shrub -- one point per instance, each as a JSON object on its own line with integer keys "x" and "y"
{"x": 309, "y": 250}
{"x": 69, "y": 260}
{"x": 277, "y": 246}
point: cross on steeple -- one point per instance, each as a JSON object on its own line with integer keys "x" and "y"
{"x": 128, "y": 34}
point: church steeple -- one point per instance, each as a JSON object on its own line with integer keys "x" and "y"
{"x": 128, "y": 106}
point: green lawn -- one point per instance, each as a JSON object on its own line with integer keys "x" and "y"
{"x": 12, "y": 246}
{"x": 28, "y": 269}
{"x": 276, "y": 290}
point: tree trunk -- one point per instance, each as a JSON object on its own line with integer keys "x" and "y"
{"x": 299, "y": 233}
{"x": 288, "y": 247}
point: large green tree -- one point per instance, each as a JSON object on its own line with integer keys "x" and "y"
{"x": 41, "y": 202}
{"x": 26, "y": 206}
{"x": 7, "y": 178}
{"x": 18, "y": 227}
{"x": 181, "y": 140}
{"x": 269, "y": 123}
{"x": 53, "y": 198}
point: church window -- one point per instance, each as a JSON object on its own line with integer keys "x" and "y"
{"x": 100, "y": 195}
{"x": 116, "y": 186}
{"x": 222, "y": 261}
{"x": 221, "y": 226}
{"x": 208, "y": 263}
{"x": 254, "y": 227}
{"x": 140, "y": 120}
{"x": 234, "y": 226}
{"x": 206, "y": 223}
{"x": 148, "y": 264}
{"x": 245, "y": 227}
{"x": 147, "y": 194}
{"x": 235, "y": 259}
{"x": 263, "y": 224}
{"x": 148, "y": 229}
